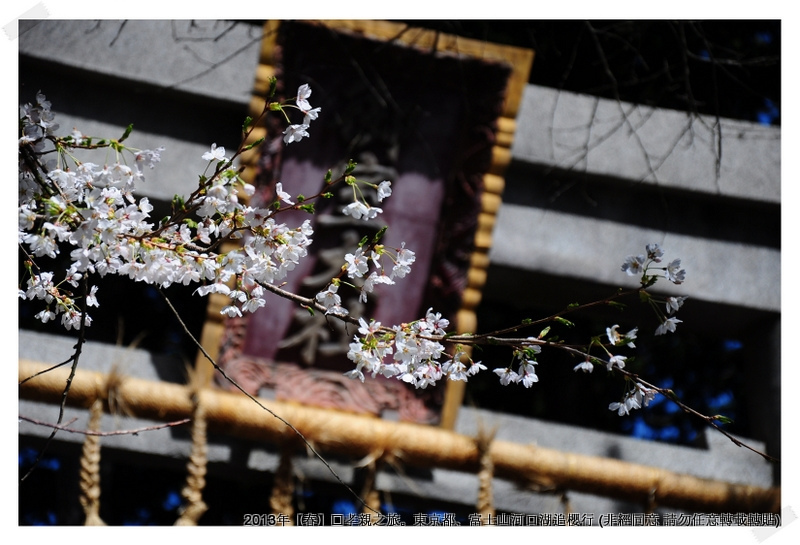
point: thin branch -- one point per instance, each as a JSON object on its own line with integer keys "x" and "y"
{"x": 75, "y": 358}
{"x": 305, "y": 302}
{"x": 56, "y": 366}
{"x": 217, "y": 64}
{"x": 494, "y": 336}
{"x": 105, "y": 433}
{"x": 669, "y": 394}
{"x": 717, "y": 125}
{"x": 615, "y": 87}
{"x": 257, "y": 402}
{"x": 118, "y": 34}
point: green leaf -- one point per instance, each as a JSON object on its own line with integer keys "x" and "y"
{"x": 328, "y": 176}
{"x": 351, "y": 166}
{"x": 379, "y": 234}
{"x": 530, "y": 353}
{"x": 671, "y": 395}
{"x": 526, "y": 321}
{"x": 544, "y": 332}
{"x": 127, "y": 133}
{"x": 722, "y": 419}
{"x": 563, "y": 321}
{"x": 248, "y": 121}
{"x": 273, "y": 86}
{"x": 253, "y": 144}
{"x": 307, "y": 208}
{"x": 178, "y": 203}
{"x": 616, "y": 304}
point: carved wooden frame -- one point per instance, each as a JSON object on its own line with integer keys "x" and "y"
{"x": 493, "y": 180}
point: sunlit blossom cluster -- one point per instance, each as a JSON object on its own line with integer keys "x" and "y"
{"x": 297, "y": 131}
{"x": 635, "y": 398}
{"x": 641, "y": 265}
{"x": 525, "y": 373}
{"x": 408, "y": 353}
{"x": 92, "y": 210}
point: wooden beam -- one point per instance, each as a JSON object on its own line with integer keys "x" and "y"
{"x": 332, "y": 432}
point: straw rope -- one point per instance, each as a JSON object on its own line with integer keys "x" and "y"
{"x": 356, "y": 436}
{"x": 196, "y": 466}
{"x": 280, "y": 501}
{"x": 90, "y": 468}
{"x": 485, "y": 505}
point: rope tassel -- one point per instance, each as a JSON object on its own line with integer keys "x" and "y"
{"x": 485, "y": 505}
{"x": 283, "y": 488}
{"x": 198, "y": 462}
{"x": 90, "y": 468}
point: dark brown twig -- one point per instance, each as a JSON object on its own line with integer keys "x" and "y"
{"x": 105, "y": 433}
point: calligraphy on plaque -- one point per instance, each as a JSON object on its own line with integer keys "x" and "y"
{"x": 426, "y": 121}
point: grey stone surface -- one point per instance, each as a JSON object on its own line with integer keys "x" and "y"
{"x": 183, "y": 85}
{"x": 217, "y": 60}
{"x": 51, "y": 349}
{"x": 212, "y": 58}
{"x": 655, "y": 146}
{"x": 594, "y": 249}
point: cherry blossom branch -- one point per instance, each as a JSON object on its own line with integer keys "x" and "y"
{"x": 95, "y": 210}
{"x": 493, "y": 337}
{"x": 613, "y": 366}
{"x": 305, "y": 302}
{"x": 709, "y": 420}
{"x": 75, "y": 358}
